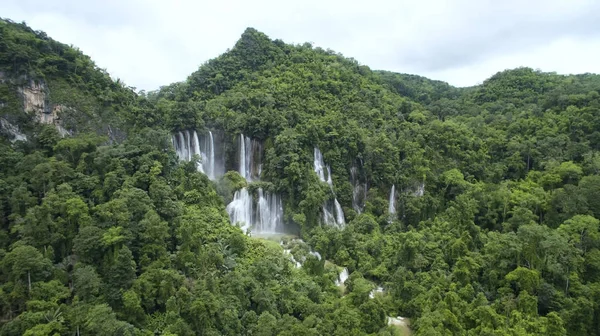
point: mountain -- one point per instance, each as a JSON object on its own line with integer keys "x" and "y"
{"x": 288, "y": 190}
{"x": 57, "y": 84}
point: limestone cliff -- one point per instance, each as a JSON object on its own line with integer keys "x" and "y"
{"x": 33, "y": 96}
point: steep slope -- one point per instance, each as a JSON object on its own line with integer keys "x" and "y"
{"x": 46, "y": 81}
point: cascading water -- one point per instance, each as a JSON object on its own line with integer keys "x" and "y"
{"x": 329, "y": 180}
{"x": 250, "y": 158}
{"x": 339, "y": 213}
{"x": 263, "y": 213}
{"x": 375, "y": 291}
{"x": 332, "y": 210}
{"x": 240, "y": 209}
{"x": 243, "y": 169}
{"x": 198, "y": 152}
{"x": 359, "y": 190}
{"x": 263, "y": 217}
{"x": 269, "y": 212}
{"x": 299, "y": 246}
{"x": 188, "y": 143}
{"x": 318, "y": 163}
{"x": 342, "y": 277}
{"x": 208, "y": 156}
{"x": 420, "y": 190}
{"x": 392, "y": 203}
{"x": 180, "y": 148}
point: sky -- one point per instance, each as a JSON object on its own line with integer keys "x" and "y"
{"x": 150, "y": 43}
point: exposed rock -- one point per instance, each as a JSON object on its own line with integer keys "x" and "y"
{"x": 35, "y": 100}
{"x": 11, "y": 130}
{"x": 420, "y": 190}
{"x": 398, "y": 321}
{"x": 375, "y": 291}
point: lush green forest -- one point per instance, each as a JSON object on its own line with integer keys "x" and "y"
{"x": 105, "y": 231}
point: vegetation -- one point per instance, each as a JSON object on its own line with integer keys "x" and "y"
{"x": 118, "y": 237}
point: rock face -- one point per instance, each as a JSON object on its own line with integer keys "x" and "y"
{"x": 35, "y": 100}
{"x": 34, "y": 97}
{"x": 12, "y": 131}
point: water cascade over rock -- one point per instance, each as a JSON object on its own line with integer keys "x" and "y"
{"x": 240, "y": 209}
{"x": 269, "y": 212}
{"x": 420, "y": 190}
{"x": 188, "y": 143}
{"x": 375, "y": 291}
{"x": 392, "y": 203}
{"x": 359, "y": 190}
{"x": 262, "y": 214}
{"x": 332, "y": 210}
{"x": 250, "y": 158}
{"x": 300, "y": 248}
{"x": 342, "y": 277}
{"x": 261, "y": 211}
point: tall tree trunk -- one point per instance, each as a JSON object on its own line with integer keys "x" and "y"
{"x": 567, "y": 286}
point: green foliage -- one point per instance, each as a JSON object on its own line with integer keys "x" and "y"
{"x": 498, "y": 199}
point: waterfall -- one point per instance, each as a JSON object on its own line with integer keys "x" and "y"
{"x": 269, "y": 211}
{"x": 420, "y": 190}
{"x": 339, "y": 213}
{"x": 189, "y": 143}
{"x": 392, "y": 203}
{"x": 329, "y": 180}
{"x": 256, "y": 163}
{"x": 196, "y": 146}
{"x": 208, "y": 155}
{"x": 298, "y": 244}
{"x": 332, "y": 212}
{"x": 288, "y": 252}
{"x": 359, "y": 190}
{"x": 264, "y": 216}
{"x": 211, "y": 156}
{"x": 318, "y": 162}
{"x": 328, "y": 217}
{"x": 181, "y": 149}
{"x": 375, "y": 291}
{"x": 342, "y": 277}
{"x": 250, "y": 155}
{"x": 240, "y": 209}
{"x": 242, "y": 169}
{"x": 315, "y": 254}
{"x": 263, "y": 212}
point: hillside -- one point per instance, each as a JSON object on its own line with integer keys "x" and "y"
{"x": 58, "y": 85}
{"x": 288, "y": 190}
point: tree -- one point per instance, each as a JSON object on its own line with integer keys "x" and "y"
{"x": 25, "y": 263}
{"x": 86, "y": 282}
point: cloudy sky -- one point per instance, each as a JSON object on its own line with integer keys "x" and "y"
{"x": 149, "y": 43}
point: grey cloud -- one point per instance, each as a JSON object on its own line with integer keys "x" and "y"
{"x": 149, "y": 43}
{"x": 104, "y": 14}
{"x": 499, "y": 34}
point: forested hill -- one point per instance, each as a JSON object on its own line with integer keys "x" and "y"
{"x": 238, "y": 201}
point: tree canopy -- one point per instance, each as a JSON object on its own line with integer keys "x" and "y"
{"x": 105, "y": 231}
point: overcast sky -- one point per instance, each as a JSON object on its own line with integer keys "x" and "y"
{"x": 149, "y": 43}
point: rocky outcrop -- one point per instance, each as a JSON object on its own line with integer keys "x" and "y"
{"x": 12, "y": 132}
{"x": 35, "y": 101}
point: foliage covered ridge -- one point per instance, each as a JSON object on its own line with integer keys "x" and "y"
{"x": 469, "y": 211}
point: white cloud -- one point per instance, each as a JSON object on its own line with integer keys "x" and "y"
{"x": 152, "y": 43}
